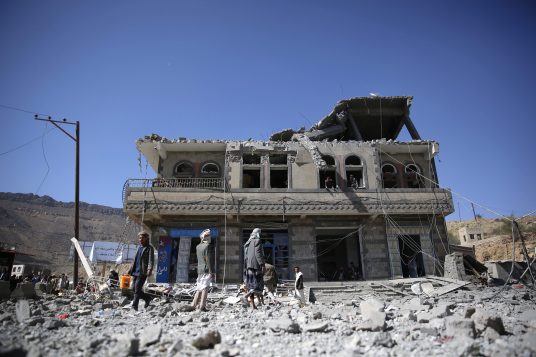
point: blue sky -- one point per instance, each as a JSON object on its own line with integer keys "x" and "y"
{"x": 238, "y": 70}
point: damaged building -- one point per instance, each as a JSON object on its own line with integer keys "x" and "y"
{"x": 344, "y": 193}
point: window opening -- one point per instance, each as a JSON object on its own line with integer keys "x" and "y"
{"x": 354, "y": 172}
{"x": 251, "y": 178}
{"x": 327, "y": 177}
{"x": 184, "y": 169}
{"x": 278, "y": 178}
{"x": 389, "y": 176}
{"x": 413, "y": 176}
{"x": 251, "y": 159}
{"x": 210, "y": 168}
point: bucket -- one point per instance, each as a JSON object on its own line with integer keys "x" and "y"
{"x": 124, "y": 282}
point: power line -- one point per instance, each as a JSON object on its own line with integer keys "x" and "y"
{"x": 45, "y": 158}
{"x": 20, "y": 110}
{"x": 26, "y": 143}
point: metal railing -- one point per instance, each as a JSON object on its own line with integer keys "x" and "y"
{"x": 172, "y": 184}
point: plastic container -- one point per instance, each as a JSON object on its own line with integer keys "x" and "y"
{"x": 124, "y": 282}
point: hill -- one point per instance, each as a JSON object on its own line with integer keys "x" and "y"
{"x": 42, "y": 227}
{"x": 497, "y": 242}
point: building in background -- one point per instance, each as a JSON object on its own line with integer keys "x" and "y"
{"x": 343, "y": 200}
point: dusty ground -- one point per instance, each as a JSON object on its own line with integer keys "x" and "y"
{"x": 356, "y": 321}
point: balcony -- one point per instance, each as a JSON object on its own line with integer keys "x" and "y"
{"x": 172, "y": 184}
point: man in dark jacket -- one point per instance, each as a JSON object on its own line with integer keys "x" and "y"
{"x": 141, "y": 268}
{"x": 254, "y": 265}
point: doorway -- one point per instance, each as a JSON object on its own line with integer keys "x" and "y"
{"x": 411, "y": 258}
{"x": 338, "y": 255}
{"x": 275, "y": 247}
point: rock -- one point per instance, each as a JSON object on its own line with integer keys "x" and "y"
{"x": 370, "y": 306}
{"x": 175, "y": 348}
{"x": 185, "y": 308}
{"x": 370, "y": 325}
{"x": 430, "y": 331}
{"x": 127, "y": 345}
{"x": 317, "y": 315}
{"x": 5, "y": 317}
{"x": 316, "y": 327}
{"x": 22, "y": 310}
{"x": 455, "y": 326}
{"x": 490, "y": 334}
{"x": 209, "y": 340}
{"x": 151, "y": 335}
{"x": 35, "y": 320}
{"x": 383, "y": 339}
{"x": 483, "y": 320}
{"x": 53, "y": 324}
{"x": 469, "y": 311}
{"x": 284, "y": 324}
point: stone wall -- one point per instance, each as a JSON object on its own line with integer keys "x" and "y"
{"x": 374, "y": 251}
{"x": 302, "y": 242}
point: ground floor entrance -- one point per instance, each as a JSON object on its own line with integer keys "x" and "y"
{"x": 177, "y": 259}
{"x": 338, "y": 255}
{"x": 276, "y": 249}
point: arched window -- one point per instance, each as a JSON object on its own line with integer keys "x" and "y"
{"x": 354, "y": 172}
{"x": 184, "y": 169}
{"x": 413, "y": 174}
{"x": 327, "y": 175}
{"x": 210, "y": 169}
{"x": 389, "y": 176}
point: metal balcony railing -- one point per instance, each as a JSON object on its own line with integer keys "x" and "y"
{"x": 174, "y": 184}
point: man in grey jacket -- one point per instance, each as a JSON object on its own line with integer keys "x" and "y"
{"x": 254, "y": 265}
{"x": 141, "y": 268}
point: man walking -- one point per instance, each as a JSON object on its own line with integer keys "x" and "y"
{"x": 204, "y": 271}
{"x": 254, "y": 265}
{"x": 298, "y": 286}
{"x": 141, "y": 268}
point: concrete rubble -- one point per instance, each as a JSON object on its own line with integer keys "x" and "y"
{"x": 354, "y": 318}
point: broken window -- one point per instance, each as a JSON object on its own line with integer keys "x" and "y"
{"x": 278, "y": 171}
{"x": 389, "y": 176}
{"x": 251, "y": 171}
{"x": 471, "y": 236}
{"x": 251, "y": 178}
{"x": 327, "y": 175}
{"x": 251, "y": 159}
{"x": 184, "y": 169}
{"x": 354, "y": 172}
{"x": 211, "y": 169}
{"x": 414, "y": 177}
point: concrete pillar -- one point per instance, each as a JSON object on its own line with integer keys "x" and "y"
{"x": 302, "y": 244}
{"x": 230, "y": 255}
{"x": 375, "y": 251}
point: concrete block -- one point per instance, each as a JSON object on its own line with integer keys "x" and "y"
{"x": 22, "y": 310}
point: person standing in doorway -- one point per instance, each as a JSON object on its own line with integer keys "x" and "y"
{"x": 141, "y": 268}
{"x": 204, "y": 271}
{"x": 298, "y": 286}
{"x": 254, "y": 265}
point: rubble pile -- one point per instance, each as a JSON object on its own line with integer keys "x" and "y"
{"x": 472, "y": 320}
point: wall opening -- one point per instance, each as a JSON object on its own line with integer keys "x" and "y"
{"x": 338, "y": 256}
{"x": 389, "y": 176}
{"x": 410, "y": 256}
{"x": 278, "y": 178}
{"x": 275, "y": 248}
{"x": 414, "y": 177}
{"x": 251, "y": 178}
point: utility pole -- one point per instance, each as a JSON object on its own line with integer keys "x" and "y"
{"x": 76, "y": 139}
{"x": 474, "y": 213}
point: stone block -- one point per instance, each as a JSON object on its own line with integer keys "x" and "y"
{"x": 455, "y": 326}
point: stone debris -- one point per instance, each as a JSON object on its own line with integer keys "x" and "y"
{"x": 472, "y": 320}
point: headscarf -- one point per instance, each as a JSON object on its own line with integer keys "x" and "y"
{"x": 256, "y": 234}
{"x": 205, "y": 236}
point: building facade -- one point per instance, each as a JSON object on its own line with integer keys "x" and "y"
{"x": 343, "y": 200}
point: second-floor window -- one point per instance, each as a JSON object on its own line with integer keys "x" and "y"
{"x": 354, "y": 172}
{"x": 389, "y": 176}
{"x": 278, "y": 171}
{"x": 251, "y": 171}
{"x": 327, "y": 176}
{"x": 183, "y": 169}
{"x": 413, "y": 175}
{"x": 210, "y": 169}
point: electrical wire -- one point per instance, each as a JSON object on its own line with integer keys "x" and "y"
{"x": 21, "y": 110}
{"x": 45, "y": 158}
{"x": 26, "y": 143}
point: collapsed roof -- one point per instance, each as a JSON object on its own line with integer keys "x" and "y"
{"x": 361, "y": 119}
